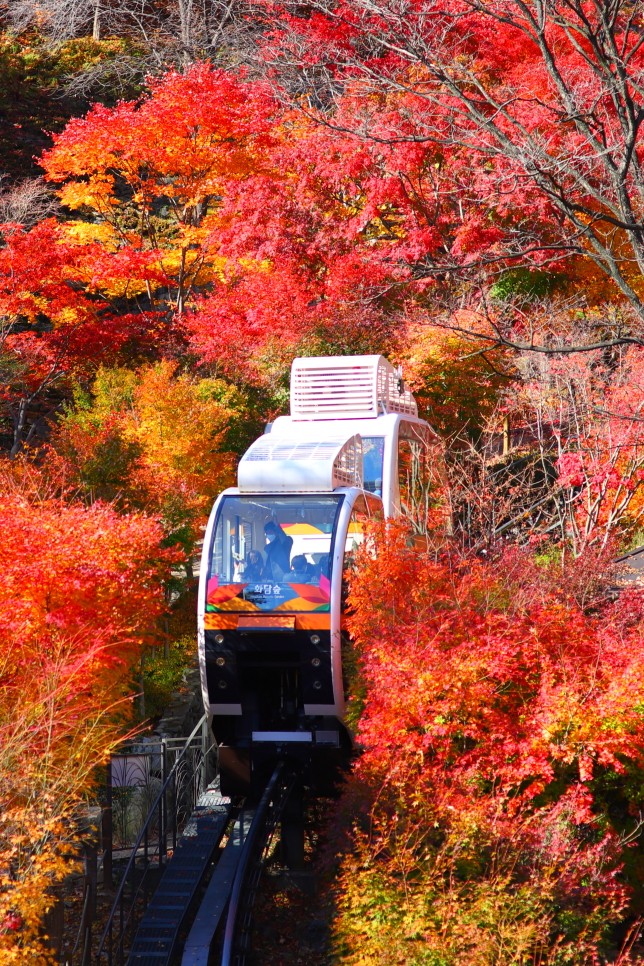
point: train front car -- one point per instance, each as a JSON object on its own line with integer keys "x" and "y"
{"x": 276, "y": 552}
{"x": 270, "y": 605}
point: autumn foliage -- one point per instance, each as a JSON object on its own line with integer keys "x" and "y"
{"x": 501, "y": 741}
{"x": 456, "y": 185}
{"x": 81, "y": 590}
{"x": 154, "y": 440}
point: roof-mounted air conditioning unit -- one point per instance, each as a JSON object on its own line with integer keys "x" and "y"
{"x": 348, "y": 387}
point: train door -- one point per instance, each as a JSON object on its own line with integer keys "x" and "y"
{"x": 365, "y": 509}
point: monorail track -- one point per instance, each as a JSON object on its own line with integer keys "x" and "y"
{"x": 218, "y": 933}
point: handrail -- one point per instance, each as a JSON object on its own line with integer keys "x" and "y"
{"x": 142, "y": 835}
{"x": 84, "y": 930}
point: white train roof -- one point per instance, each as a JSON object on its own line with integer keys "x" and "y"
{"x": 281, "y": 464}
{"x": 348, "y": 387}
{"x": 286, "y": 426}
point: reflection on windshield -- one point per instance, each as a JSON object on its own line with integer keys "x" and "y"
{"x": 272, "y": 553}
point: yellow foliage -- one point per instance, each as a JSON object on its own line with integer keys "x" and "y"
{"x": 265, "y": 266}
{"x": 156, "y": 440}
{"x": 125, "y": 288}
{"x": 95, "y": 193}
{"x": 33, "y": 857}
{"x": 83, "y": 233}
{"x": 178, "y": 429}
{"x": 67, "y": 316}
{"x": 456, "y": 384}
{"x": 180, "y": 259}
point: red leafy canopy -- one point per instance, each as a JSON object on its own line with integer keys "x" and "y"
{"x": 530, "y": 149}
{"x": 486, "y": 691}
{"x": 272, "y": 227}
{"x": 80, "y": 593}
{"x": 55, "y": 321}
{"x": 493, "y": 699}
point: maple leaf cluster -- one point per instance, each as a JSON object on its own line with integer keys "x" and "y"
{"x": 536, "y": 146}
{"x": 154, "y": 440}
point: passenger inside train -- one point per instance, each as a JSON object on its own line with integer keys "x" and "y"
{"x": 253, "y": 566}
{"x": 306, "y": 524}
{"x": 278, "y": 551}
{"x": 300, "y": 569}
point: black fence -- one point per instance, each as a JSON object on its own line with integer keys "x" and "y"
{"x": 153, "y": 786}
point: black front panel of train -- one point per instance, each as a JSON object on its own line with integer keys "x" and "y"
{"x": 273, "y": 675}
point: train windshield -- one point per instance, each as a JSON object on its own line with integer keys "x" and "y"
{"x": 272, "y": 553}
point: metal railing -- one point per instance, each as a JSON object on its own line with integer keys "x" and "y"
{"x": 164, "y": 779}
{"x": 81, "y": 953}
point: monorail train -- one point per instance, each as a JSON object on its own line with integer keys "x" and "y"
{"x": 276, "y": 551}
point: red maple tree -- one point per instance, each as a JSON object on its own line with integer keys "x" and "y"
{"x": 81, "y": 593}
{"x": 501, "y": 726}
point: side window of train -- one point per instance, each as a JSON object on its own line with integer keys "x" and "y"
{"x": 373, "y": 452}
{"x": 234, "y": 535}
{"x": 414, "y": 477}
{"x": 363, "y": 511}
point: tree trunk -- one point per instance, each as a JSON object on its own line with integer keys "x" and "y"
{"x": 185, "y": 18}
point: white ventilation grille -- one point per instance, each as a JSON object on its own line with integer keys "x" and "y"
{"x": 347, "y": 387}
{"x": 288, "y": 449}
{"x": 347, "y": 466}
{"x": 393, "y": 395}
{"x": 280, "y": 465}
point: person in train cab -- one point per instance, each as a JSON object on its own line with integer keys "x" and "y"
{"x": 278, "y": 551}
{"x": 300, "y": 573}
{"x": 322, "y": 569}
{"x": 254, "y": 567}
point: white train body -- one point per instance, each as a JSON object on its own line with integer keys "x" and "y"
{"x": 270, "y": 613}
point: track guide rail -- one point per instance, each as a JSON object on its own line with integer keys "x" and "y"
{"x": 157, "y": 937}
{"x": 196, "y": 951}
{"x": 251, "y": 863}
{"x": 233, "y": 886}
